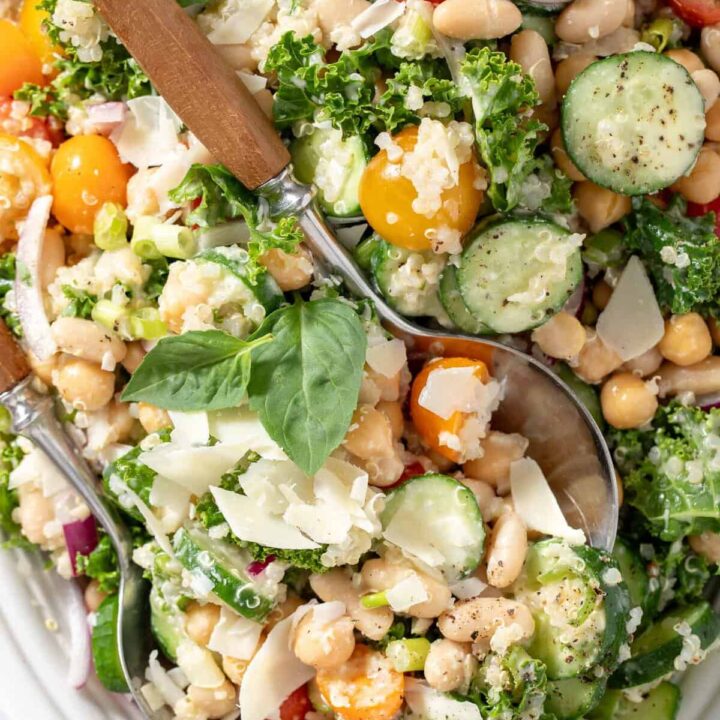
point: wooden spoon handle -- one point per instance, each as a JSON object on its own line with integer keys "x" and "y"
{"x": 13, "y": 365}
{"x": 200, "y": 87}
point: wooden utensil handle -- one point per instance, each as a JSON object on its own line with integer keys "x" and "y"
{"x": 199, "y": 85}
{"x": 13, "y": 365}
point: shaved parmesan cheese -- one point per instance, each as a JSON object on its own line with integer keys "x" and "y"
{"x": 158, "y": 676}
{"x": 631, "y": 323}
{"x": 149, "y": 133}
{"x": 235, "y": 635}
{"x": 536, "y": 504}
{"x": 387, "y": 358}
{"x": 272, "y": 675}
{"x": 250, "y": 523}
{"x": 458, "y": 389}
{"x": 378, "y": 16}
{"x": 425, "y": 703}
{"x": 264, "y": 481}
{"x": 37, "y": 468}
{"x": 173, "y": 499}
{"x": 241, "y": 423}
{"x": 402, "y": 531}
{"x": 468, "y": 588}
{"x": 232, "y": 22}
{"x": 190, "y": 428}
{"x": 199, "y": 665}
{"x": 254, "y": 83}
{"x": 408, "y": 592}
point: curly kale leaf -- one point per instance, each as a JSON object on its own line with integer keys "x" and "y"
{"x": 10, "y": 457}
{"x": 81, "y": 302}
{"x": 681, "y": 254}
{"x": 7, "y": 281}
{"x": 672, "y": 471}
{"x": 507, "y": 137}
{"x": 102, "y": 565}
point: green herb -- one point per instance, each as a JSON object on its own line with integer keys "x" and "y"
{"x": 10, "y": 457}
{"x": 101, "y": 564}
{"x": 158, "y": 277}
{"x": 681, "y": 254}
{"x": 81, "y": 302}
{"x": 199, "y": 370}
{"x": 7, "y": 281}
{"x": 658, "y": 33}
{"x": 305, "y": 384}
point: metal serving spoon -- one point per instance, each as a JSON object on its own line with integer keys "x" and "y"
{"x": 33, "y": 415}
{"x": 211, "y": 100}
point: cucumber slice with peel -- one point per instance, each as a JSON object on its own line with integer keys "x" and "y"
{"x": 105, "y": 653}
{"x": 660, "y": 703}
{"x": 455, "y": 306}
{"x": 573, "y": 698}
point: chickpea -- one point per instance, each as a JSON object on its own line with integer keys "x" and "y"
{"x": 569, "y": 68}
{"x": 529, "y": 49}
{"x": 596, "y": 360}
{"x": 562, "y": 337}
{"x": 598, "y": 206}
{"x": 477, "y": 19}
{"x": 324, "y": 646}
{"x": 702, "y": 185}
{"x": 291, "y": 272}
{"x": 686, "y": 341}
{"x": 479, "y": 618}
{"x": 134, "y": 355}
{"x": 84, "y": 384}
{"x": 500, "y": 450}
{"x": 687, "y": 58}
{"x": 86, "y": 339}
{"x": 120, "y": 420}
{"x": 35, "y": 511}
{"x": 214, "y": 702}
{"x": 627, "y": 401}
{"x": 561, "y": 158}
{"x": 710, "y": 45}
{"x": 449, "y": 665}
{"x": 708, "y": 84}
{"x": 383, "y": 472}
{"x": 601, "y": 294}
{"x": 700, "y": 379}
{"x": 708, "y": 545}
{"x": 234, "y": 668}
{"x": 370, "y": 435}
{"x": 392, "y": 410}
{"x": 284, "y": 610}
{"x": 200, "y": 621}
{"x": 94, "y": 596}
{"x": 333, "y": 14}
{"x": 714, "y": 328}
{"x": 712, "y": 123}
{"x": 53, "y": 256}
{"x": 506, "y": 550}
{"x": 491, "y": 506}
{"x": 387, "y": 387}
{"x": 43, "y": 369}
{"x": 586, "y": 20}
{"x": 378, "y": 574}
{"x": 645, "y": 364}
{"x": 153, "y": 418}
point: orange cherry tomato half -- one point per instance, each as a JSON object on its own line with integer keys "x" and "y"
{"x": 386, "y": 200}
{"x": 19, "y": 63}
{"x": 427, "y": 423}
{"x": 366, "y": 687}
{"x": 32, "y": 20}
{"x": 87, "y": 172}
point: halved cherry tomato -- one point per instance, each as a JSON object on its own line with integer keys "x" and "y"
{"x": 49, "y": 129}
{"x": 427, "y": 423}
{"x": 297, "y": 705}
{"x": 697, "y": 13}
{"x": 19, "y": 63}
{"x": 32, "y": 20}
{"x": 695, "y": 210}
{"x": 366, "y": 687}
{"x": 386, "y": 200}
{"x": 87, "y": 172}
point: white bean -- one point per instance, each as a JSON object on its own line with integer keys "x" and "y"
{"x": 529, "y": 49}
{"x": 87, "y": 340}
{"x": 449, "y": 665}
{"x": 710, "y": 45}
{"x": 324, "y": 646}
{"x": 213, "y": 702}
{"x": 479, "y": 618}
{"x": 84, "y": 384}
{"x": 506, "y": 551}
{"x": 586, "y": 20}
{"x": 700, "y": 379}
{"x": 477, "y": 19}
{"x": 708, "y": 84}
{"x": 333, "y": 14}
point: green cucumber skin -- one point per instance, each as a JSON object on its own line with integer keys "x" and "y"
{"x": 661, "y": 703}
{"x": 455, "y": 306}
{"x": 166, "y": 625}
{"x": 636, "y": 578}
{"x": 573, "y": 698}
{"x": 658, "y": 662}
{"x": 106, "y": 657}
{"x": 246, "y": 600}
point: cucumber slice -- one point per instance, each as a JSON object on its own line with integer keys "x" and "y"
{"x": 655, "y": 650}
{"x": 586, "y": 394}
{"x": 449, "y": 518}
{"x": 573, "y": 698}
{"x": 455, "y": 306}
{"x": 235, "y": 259}
{"x": 335, "y": 166}
{"x": 632, "y": 568}
{"x": 225, "y": 567}
{"x": 166, "y": 624}
{"x": 579, "y": 615}
{"x": 365, "y": 250}
{"x": 106, "y": 656}
{"x": 515, "y": 274}
{"x": 661, "y": 703}
{"x": 633, "y": 123}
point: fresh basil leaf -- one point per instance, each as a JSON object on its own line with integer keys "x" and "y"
{"x": 199, "y": 370}
{"x": 305, "y": 383}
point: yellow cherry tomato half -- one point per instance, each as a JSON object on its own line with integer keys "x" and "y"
{"x": 87, "y": 172}
{"x": 427, "y": 423}
{"x": 386, "y": 199}
{"x": 32, "y": 19}
{"x": 19, "y": 63}
{"x": 23, "y": 177}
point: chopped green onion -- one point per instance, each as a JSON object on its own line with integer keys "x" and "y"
{"x": 605, "y": 249}
{"x": 658, "y": 33}
{"x": 374, "y": 600}
{"x": 142, "y": 242}
{"x": 175, "y": 241}
{"x": 110, "y": 227}
{"x": 408, "y": 654}
{"x": 108, "y": 314}
{"x": 145, "y": 324}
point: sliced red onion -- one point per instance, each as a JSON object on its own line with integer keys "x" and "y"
{"x": 257, "y": 567}
{"x": 28, "y": 291}
{"x": 576, "y": 302}
{"x": 709, "y": 401}
{"x": 80, "y": 651}
{"x": 81, "y": 538}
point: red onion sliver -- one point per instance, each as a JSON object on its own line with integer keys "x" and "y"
{"x": 81, "y": 537}
{"x": 255, "y": 568}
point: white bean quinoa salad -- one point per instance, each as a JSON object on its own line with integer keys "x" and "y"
{"x": 327, "y": 531}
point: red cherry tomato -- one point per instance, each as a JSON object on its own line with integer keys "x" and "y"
{"x": 697, "y": 13}
{"x": 297, "y": 705}
{"x": 695, "y": 210}
{"x": 49, "y": 129}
